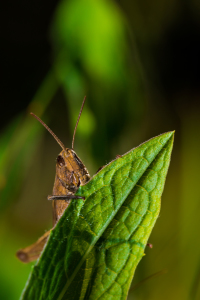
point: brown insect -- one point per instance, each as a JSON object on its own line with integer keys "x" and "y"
{"x": 70, "y": 174}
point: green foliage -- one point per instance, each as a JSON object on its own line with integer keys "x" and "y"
{"x": 93, "y": 251}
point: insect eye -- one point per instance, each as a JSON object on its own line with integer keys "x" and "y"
{"x": 60, "y": 161}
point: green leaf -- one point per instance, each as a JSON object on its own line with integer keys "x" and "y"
{"x": 93, "y": 251}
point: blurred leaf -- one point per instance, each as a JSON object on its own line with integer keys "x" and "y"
{"x": 95, "y": 247}
{"x": 93, "y": 33}
{"x": 19, "y": 141}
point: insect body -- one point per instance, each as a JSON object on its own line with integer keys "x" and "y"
{"x": 70, "y": 174}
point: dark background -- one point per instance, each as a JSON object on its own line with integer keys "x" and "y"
{"x": 138, "y": 63}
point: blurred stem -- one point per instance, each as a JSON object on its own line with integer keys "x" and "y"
{"x": 195, "y": 289}
{"x": 137, "y": 285}
{"x": 20, "y": 139}
{"x": 25, "y": 126}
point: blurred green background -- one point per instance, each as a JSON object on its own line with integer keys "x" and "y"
{"x": 138, "y": 63}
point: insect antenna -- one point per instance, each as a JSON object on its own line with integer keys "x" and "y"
{"x": 50, "y": 131}
{"x": 78, "y": 122}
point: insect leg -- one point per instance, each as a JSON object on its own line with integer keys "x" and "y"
{"x": 33, "y": 251}
{"x": 64, "y": 197}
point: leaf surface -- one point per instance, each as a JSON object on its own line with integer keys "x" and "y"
{"x": 93, "y": 251}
